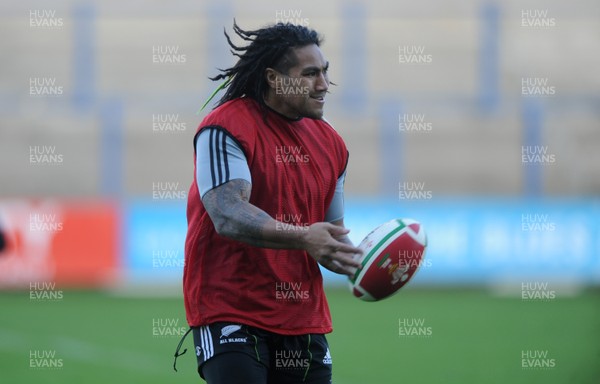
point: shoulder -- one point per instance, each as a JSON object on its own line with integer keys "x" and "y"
{"x": 326, "y": 122}
{"x": 234, "y": 116}
{"x": 334, "y": 142}
{"x": 326, "y": 126}
{"x": 232, "y": 110}
{"x": 237, "y": 118}
{"x": 327, "y": 129}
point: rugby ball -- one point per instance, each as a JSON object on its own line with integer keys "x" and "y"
{"x": 392, "y": 253}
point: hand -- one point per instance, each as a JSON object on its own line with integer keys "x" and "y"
{"x": 321, "y": 242}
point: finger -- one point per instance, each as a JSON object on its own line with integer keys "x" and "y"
{"x": 337, "y": 267}
{"x": 348, "y": 271}
{"x": 347, "y": 248}
{"x": 346, "y": 260}
{"x": 336, "y": 230}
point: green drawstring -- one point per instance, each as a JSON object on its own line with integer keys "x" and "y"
{"x": 255, "y": 344}
{"x": 309, "y": 358}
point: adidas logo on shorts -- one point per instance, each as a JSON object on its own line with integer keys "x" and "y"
{"x": 327, "y": 358}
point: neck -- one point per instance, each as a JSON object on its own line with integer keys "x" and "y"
{"x": 275, "y": 104}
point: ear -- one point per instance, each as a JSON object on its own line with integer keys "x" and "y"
{"x": 271, "y": 76}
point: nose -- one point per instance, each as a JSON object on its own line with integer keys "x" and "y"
{"x": 322, "y": 82}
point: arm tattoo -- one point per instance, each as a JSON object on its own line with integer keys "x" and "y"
{"x": 233, "y": 216}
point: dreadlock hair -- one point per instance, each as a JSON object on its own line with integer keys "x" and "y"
{"x": 270, "y": 47}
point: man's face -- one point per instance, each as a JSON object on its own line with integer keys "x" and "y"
{"x": 301, "y": 91}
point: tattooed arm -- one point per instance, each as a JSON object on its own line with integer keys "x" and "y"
{"x": 233, "y": 216}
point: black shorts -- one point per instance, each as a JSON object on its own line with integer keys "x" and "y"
{"x": 230, "y": 353}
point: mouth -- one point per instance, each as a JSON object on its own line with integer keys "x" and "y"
{"x": 318, "y": 98}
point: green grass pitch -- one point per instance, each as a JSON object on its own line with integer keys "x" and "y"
{"x": 417, "y": 336}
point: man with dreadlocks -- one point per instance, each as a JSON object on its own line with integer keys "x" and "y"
{"x": 265, "y": 208}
